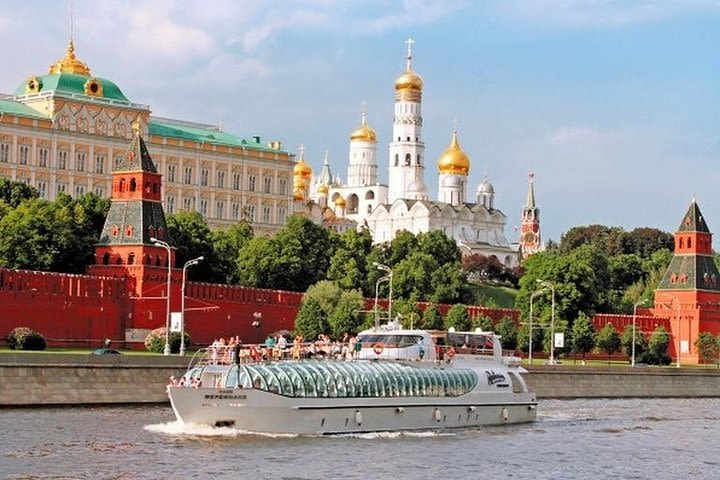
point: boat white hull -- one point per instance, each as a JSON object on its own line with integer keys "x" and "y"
{"x": 260, "y": 411}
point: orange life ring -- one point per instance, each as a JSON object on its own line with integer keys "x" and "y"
{"x": 378, "y": 348}
{"x": 451, "y": 352}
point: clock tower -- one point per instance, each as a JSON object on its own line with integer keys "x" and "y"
{"x": 530, "y": 228}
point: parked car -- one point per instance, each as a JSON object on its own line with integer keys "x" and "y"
{"x": 106, "y": 351}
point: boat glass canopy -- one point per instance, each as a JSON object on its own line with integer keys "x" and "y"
{"x": 352, "y": 379}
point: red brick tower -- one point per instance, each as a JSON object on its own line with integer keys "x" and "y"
{"x": 530, "y": 227}
{"x": 689, "y": 293}
{"x": 125, "y": 250}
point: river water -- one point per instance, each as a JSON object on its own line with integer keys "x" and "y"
{"x": 590, "y": 439}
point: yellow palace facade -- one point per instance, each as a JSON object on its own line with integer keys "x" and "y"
{"x": 63, "y": 131}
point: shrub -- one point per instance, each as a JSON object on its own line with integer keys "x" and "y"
{"x": 155, "y": 341}
{"x": 24, "y": 338}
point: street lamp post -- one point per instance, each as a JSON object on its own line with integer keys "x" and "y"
{"x": 545, "y": 283}
{"x": 377, "y": 287}
{"x": 257, "y": 320}
{"x": 632, "y": 357}
{"x": 389, "y": 272}
{"x": 530, "y": 336}
{"x": 160, "y": 243}
{"x": 189, "y": 263}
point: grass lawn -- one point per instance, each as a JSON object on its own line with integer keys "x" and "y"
{"x": 493, "y": 295}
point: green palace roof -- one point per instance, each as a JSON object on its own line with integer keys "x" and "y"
{"x": 72, "y": 83}
{"x": 205, "y": 135}
{"x": 11, "y": 107}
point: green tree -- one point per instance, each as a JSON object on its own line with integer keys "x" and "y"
{"x": 439, "y": 246}
{"x": 582, "y": 336}
{"x": 708, "y": 347}
{"x": 408, "y": 313}
{"x": 608, "y": 340}
{"x": 310, "y": 319}
{"x": 508, "y": 331}
{"x": 14, "y": 193}
{"x": 657, "y": 347}
{"x": 431, "y": 318}
{"x": 189, "y": 234}
{"x": 448, "y": 284}
{"x": 483, "y": 322}
{"x": 256, "y": 263}
{"x": 227, "y": 243}
{"x": 411, "y": 278}
{"x": 626, "y": 341}
{"x": 346, "y": 316}
{"x": 348, "y": 266}
{"x": 538, "y": 339}
{"x": 457, "y": 317}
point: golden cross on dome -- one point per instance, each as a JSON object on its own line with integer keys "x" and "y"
{"x": 363, "y": 106}
{"x": 455, "y": 124}
{"x": 301, "y": 149}
{"x": 409, "y": 42}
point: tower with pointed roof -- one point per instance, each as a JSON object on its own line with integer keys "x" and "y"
{"x": 136, "y": 216}
{"x": 530, "y": 241}
{"x": 407, "y": 150}
{"x": 689, "y": 292}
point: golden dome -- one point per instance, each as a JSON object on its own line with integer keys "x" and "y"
{"x": 409, "y": 81}
{"x": 323, "y": 189}
{"x": 340, "y": 201}
{"x": 70, "y": 64}
{"x": 299, "y": 193}
{"x": 302, "y": 169}
{"x": 363, "y": 134}
{"x": 453, "y": 160}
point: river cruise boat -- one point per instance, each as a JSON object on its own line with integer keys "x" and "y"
{"x": 396, "y": 379}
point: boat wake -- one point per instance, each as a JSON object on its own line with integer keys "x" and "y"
{"x": 189, "y": 429}
{"x": 397, "y": 434}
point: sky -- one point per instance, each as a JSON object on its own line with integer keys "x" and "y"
{"x": 614, "y": 105}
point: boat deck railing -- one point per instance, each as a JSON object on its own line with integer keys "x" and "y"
{"x": 254, "y": 353}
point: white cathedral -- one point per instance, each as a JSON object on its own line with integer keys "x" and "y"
{"x": 403, "y": 204}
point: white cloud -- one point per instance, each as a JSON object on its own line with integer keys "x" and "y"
{"x": 577, "y": 13}
{"x": 574, "y": 137}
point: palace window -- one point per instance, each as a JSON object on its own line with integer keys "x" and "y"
{"x": 188, "y": 203}
{"x": 99, "y": 191}
{"x": 282, "y": 213}
{"x": 204, "y": 177}
{"x": 43, "y": 155}
{"x": 99, "y": 163}
{"x": 267, "y": 181}
{"x": 237, "y": 181}
{"x": 171, "y": 173}
{"x": 220, "y": 179}
{"x": 235, "y": 211}
{"x": 170, "y": 202}
{"x": 251, "y": 213}
{"x": 282, "y": 186}
{"x": 80, "y": 161}
{"x": 117, "y": 162}
{"x": 62, "y": 159}
{"x": 61, "y": 187}
{"x": 23, "y": 154}
{"x": 203, "y": 207}
{"x": 266, "y": 214}
{"x": 251, "y": 183}
{"x": 4, "y": 152}
{"x": 219, "y": 209}
{"x": 42, "y": 189}
{"x": 187, "y": 175}
{"x": 79, "y": 191}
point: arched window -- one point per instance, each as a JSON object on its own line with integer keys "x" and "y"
{"x": 131, "y": 259}
{"x": 408, "y": 159}
{"x": 106, "y": 258}
{"x": 123, "y": 185}
{"x": 397, "y": 158}
{"x": 369, "y": 195}
{"x": 133, "y": 184}
{"x": 417, "y": 160}
{"x": 689, "y": 242}
{"x": 682, "y": 242}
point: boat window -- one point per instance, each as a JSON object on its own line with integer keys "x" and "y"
{"x": 409, "y": 340}
{"x": 231, "y": 380}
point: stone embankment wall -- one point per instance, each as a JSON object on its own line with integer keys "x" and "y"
{"x": 36, "y": 379}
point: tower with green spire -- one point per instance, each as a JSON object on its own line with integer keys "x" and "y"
{"x": 689, "y": 292}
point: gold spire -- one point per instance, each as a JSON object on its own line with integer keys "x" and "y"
{"x": 364, "y": 133}
{"x": 70, "y": 64}
{"x": 453, "y": 160}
